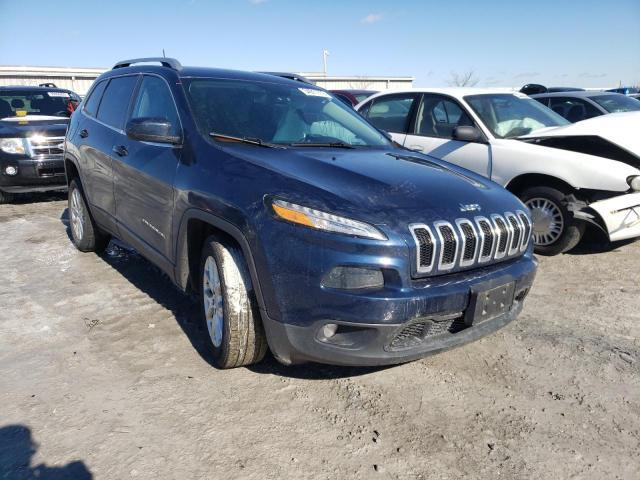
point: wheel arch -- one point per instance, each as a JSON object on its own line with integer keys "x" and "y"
{"x": 520, "y": 183}
{"x": 71, "y": 170}
{"x": 195, "y": 227}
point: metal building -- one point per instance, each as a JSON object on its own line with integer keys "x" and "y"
{"x": 80, "y": 79}
{"x": 77, "y": 79}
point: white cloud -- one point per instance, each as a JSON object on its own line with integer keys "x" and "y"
{"x": 372, "y": 18}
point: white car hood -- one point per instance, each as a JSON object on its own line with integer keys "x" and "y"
{"x": 619, "y": 128}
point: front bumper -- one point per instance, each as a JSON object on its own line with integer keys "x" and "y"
{"x": 34, "y": 174}
{"x": 620, "y": 216}
{"x": 445, "y": 303}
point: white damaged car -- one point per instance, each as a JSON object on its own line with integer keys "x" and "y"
{"x": 569, "y": 175}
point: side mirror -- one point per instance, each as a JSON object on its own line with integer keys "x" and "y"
{"x": 152, "y": 129}
{"x": 466, "y": 134}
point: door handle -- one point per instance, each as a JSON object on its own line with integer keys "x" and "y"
{"x": 417, "y": 148}
{"x": 120, "y": 150}
{"x": 84, "y": 133}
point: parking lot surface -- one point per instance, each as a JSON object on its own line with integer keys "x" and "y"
{"x": 105, "y": 374}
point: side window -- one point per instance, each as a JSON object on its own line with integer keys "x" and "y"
{"x": 438, "y": 116}
{"x": 115, "y": 101}
{"x": 573, "y": 109}
{"x": 391, "y": 113}
{"x": 91, "y": 105}
{"x": 154, "y": 100}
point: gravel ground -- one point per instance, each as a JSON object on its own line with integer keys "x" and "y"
{"x": 105, "y": 375}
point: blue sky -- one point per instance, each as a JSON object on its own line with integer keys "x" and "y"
{"x": 506, "y": 43}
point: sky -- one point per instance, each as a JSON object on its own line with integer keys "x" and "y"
{"x": 504, "y": 43}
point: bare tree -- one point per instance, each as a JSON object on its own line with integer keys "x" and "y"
{"x": 465, "y": 79}
{"x": 360, "y": 84}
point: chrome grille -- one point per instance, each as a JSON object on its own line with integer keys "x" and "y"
{"x": 49, "y": 147}
{"x": 444, "y": 246}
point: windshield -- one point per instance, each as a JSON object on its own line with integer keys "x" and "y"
{"x": 19, "y": 103}
{"x": 508, "y": 115}
{"x": 276, "y": 113}
{"x": 617, "y": 103}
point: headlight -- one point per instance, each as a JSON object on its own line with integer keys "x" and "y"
{"x": 325, "y": 221}
{"x": 13, "y": 145}
{"x": 634, "y": 183}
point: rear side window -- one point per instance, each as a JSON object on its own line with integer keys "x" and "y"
{"x": 155, "y": 101}
{"x": 391, "y": 113}
{"x": 115, "y": 101}
{"x": 91, "y": 105}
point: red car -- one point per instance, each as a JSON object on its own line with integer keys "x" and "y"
{"x": 353, "y": 97}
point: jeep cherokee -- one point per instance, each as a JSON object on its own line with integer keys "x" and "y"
{"x": 301, "y": 226}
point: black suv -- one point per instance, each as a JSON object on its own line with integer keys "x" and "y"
{"x": 300, "y": 225}
{"x": 33, "y": 122}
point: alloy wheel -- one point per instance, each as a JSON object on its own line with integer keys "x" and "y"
{"x": 77, "y": 215}
{"x": 213, "y": 301}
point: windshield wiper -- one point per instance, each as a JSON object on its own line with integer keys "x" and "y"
{"x": 250, "y": 141}
{"x": 325, "y": 145}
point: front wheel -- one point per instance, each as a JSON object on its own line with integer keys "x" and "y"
{"x": 555, "y": 230}
{"x": 228, "y": 305}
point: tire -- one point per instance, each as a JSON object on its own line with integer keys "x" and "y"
{"x": 228, "y": 306}
{"x": 558, "y": 231}
{"x": 5, "y": 197}
{"x": 84, "y": 233}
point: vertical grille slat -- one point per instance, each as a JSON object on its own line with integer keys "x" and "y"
{"x": 449, "y": 246}
{"x": 444, "y": 247}
{"x": 517, "y": 233}
{"x": 487, "y": 245}
{"x": 527, "y": 230}
{"x": 426, "y": 247}
{"x": 469, "y": 242}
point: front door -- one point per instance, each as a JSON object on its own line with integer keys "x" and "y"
{"x": 145, "y": 171}
{"x": 432, "y": 133}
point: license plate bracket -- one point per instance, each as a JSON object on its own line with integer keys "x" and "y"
{"x": 487, "y": 304}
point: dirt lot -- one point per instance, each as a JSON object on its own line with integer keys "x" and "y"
{"x": 105, "y": 375}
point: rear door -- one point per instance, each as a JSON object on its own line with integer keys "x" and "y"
{"x": 145, "y": 171}
{"x": 432, "y": 133}
{"x": 391, "y": 113}
{"x": 93, "y": 140}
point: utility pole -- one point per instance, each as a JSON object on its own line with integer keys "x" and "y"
{"x": 325, "y": 54}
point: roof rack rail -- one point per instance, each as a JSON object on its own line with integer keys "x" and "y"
{"x": 164, "y": 61}
{"x": 48, "y": 85}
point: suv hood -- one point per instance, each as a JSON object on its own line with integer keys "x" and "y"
{"x": 33, "y": 124}
{"x": 384, "y": 185}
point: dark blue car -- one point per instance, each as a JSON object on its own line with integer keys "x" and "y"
{"x": 301, "y": 226}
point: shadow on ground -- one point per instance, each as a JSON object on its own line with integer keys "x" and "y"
{"x": 17, "y": 449}
{"x": 38, "y": 197}
{"x": 186, "y": 310}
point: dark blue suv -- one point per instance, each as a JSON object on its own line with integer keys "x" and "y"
{"x": 301, "y": 226}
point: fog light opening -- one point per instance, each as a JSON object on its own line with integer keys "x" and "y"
{"x": 353, "y": 278}
{"x": 11, "y": 170}
{"x": 329, "y": 330}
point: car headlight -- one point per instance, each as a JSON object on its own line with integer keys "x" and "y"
{"x": 325, "y": 221}
{"x": 13, "y": 145}
{"x": 634, "y": 183}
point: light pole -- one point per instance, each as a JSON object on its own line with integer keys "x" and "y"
{"x": 325, "y": 54}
